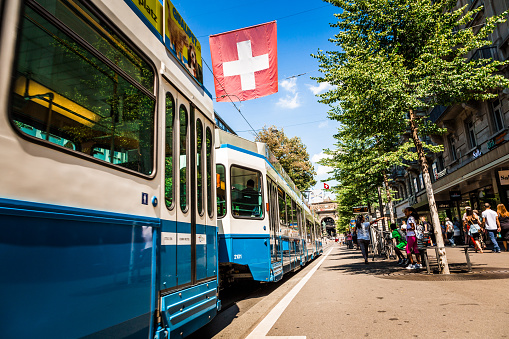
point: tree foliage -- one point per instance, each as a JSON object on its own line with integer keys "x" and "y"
{"x": 291, "y": 154}
{"x": 397, "y": 59}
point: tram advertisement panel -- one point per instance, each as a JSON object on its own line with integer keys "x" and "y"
{"x": 182, "y": 42}
{"x": 178, "y": 38}
{"x": 151, "y": 13}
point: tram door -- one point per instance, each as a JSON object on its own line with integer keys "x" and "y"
{"x": 273, "y": 220}
{"x": 187, "y": 230}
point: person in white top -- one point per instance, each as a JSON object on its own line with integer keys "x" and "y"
{"x": 449, "y": 231}
{"x": 363, "y": 234}
{"x": 492, "y": 225}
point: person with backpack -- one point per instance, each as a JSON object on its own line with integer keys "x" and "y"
{"x": 400, "y": 244}
{"x": 411, "y": 237}
{"x": 473, "y": 224}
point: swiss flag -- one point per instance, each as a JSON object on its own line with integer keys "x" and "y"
{"x": 325, "y": 186}
{"x": 244, "y": 62}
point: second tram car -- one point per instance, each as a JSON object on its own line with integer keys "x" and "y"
{"x": 107, "y": 206}
{"x": 265, "y": 228}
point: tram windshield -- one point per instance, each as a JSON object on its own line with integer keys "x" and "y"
{"x": 246, "y": 193}
{"x": 81, "y": 87}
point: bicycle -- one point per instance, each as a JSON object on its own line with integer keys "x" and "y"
{"x": 381, "y": 244}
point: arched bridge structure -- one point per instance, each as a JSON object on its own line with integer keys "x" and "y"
{"x": 326, "y": 213}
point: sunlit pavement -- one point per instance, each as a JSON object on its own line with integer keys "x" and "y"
{"x": 344, "y": 298}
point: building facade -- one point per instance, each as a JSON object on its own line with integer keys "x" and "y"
{"x": 326, "y": 213}
{"x": 474, "y": 166}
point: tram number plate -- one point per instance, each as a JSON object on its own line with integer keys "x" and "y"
{"x": 237, "y": 256}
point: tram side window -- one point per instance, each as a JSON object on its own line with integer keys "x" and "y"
{"x": 199, "y": 165}
{"x": 168, "y": 160}
{"x": 183, "y": 158}
{"x": 282, "y": 206}
{"x": 289, "y": 211}
{"x": 94, "y": 98}
{"x": 208, "y": 140}
{"x": 221, "y": 190}
{"x": 246, "y": 192}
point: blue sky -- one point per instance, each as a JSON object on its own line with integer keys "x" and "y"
{"x": 303, "y": 29}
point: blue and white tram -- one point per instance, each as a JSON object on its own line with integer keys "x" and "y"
{"x": 265, "y": 229}
{"x": 107, "y": 206}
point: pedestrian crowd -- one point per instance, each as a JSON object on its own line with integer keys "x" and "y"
{"x": 475, "y": 231}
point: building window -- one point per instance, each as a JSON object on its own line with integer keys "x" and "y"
{"x": 496, "y": 114}
{"x": 470, "y": 130}
{"x": 452, "y": 148}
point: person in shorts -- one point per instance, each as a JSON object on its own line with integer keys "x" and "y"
{"x": 411, "y": 238}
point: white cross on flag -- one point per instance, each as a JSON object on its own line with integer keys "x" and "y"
{"x": 244, "y": 62}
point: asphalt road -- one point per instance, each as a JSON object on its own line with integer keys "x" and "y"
{"x": 344, "y": 298}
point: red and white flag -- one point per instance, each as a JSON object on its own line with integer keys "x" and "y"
{"x": 325, "y": 186}
{"x": 244, "y": 62}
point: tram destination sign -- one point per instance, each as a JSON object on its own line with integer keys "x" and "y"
{"x": 360, "y": 209}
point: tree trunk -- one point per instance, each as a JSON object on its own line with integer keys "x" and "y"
{"x": 381, "y": 208}
{"x": 389, "y": 198}
{"x": 444, "y": 266}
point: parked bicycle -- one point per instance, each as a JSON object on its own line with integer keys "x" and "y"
{"x": 381, "y": 244}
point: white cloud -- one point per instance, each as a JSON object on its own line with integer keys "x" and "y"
{"x": 322, "y": 87}
{"x": 323, "y": 124}
{"x": 317, "y": 157}
{"x": 289, "y": 101}
{"x": 290, "y": 85}
{"x": 322, "y": 170}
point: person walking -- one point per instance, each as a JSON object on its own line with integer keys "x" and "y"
{"x": 428, "y": 229}
{"x": 449, "y": 231}
{"x": 354, "y": 238}
{"x": 492, "y": 225}
{"x": 411, "y": 246}
{"x": 399, "y": 237}
{"x": 363, "y": 237}
{"x": 473, "y": 229}
{"x": 503, "y": 219}
{"x": 457, "y": 231}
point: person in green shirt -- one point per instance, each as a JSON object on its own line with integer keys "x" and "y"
{"x": 400, "y": 244}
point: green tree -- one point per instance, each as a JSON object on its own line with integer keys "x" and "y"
{"x": 291, "y": 154}
{"x": 398, "y": 59}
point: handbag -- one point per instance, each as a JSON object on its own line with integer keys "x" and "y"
{"x": 474, "y": 228}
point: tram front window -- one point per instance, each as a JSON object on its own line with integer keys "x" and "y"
{"x": 95, "y": 98}
{"x": 246, "y": 193}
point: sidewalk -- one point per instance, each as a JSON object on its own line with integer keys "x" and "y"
{"x": 487, "y": 263}
{"x": 348, "y": 299}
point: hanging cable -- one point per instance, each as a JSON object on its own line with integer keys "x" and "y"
{"x": 229, "y": 97}
{"x": 303, "y": 123}
{"x": 284, "y": 17}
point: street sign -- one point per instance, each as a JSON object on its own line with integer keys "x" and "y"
{"x": 360, "y": 209}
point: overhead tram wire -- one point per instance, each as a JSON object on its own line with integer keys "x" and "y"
{"x": 303, "y": 123}
{"x": 284, "y": 17}
{"x": 229, "y": 97}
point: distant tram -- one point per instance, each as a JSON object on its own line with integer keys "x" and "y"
{"x": 265, "y": 228}
{"x": 107, "y": 199}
